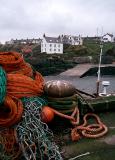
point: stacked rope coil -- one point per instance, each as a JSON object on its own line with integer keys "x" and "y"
{"x": 24, "y": 69}
{"x": 2, "y": 85}
{"x": 20, "y": 121}
{"x": 13, "y": 62}
{"x": 65, "y": 105}
{"x": 10, "y": 111}
{"x": 24, "y": 86}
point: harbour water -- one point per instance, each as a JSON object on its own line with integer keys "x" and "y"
{"x": 87, "y": 84}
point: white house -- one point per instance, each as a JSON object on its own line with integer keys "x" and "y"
{"x": 72, "y": 40}
{"x": 108, "y": 38}
{"x": 51, "y": 45}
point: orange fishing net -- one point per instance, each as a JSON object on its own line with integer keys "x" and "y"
{"x": 19, "y": 85}
{"x": 8, "y": 139}
{"x": 13, "y": 62}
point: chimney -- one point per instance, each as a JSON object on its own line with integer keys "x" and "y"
{"x": 44, "y": 35}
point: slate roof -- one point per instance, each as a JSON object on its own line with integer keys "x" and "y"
{"x": 53, "y": 39}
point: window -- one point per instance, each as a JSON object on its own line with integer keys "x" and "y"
{"x": 54, "y": 50}
{"x": 54, "y": 45}
{"x": 50, "y": 45}
{"x": 58, "y": 45}
{"x": 50, "y": 49}
{"x": 58, "y": 50}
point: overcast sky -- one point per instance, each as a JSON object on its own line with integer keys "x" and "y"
{"x": 32, "y": 18}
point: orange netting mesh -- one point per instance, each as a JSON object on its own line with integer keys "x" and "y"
{"x": 8, "y": 139}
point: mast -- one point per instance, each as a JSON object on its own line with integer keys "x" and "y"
{"x": 99, "y": 68}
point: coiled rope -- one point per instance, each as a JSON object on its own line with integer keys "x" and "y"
{"x": 66, "y": 105}
{"x": 94, "y": 130}
{"x": 19, "y": 85}
{"x": 10, "y": 112}
{"x": 22, "y": 133}
{"x": 13, "y": 62}
{"x": 2, "y": 85}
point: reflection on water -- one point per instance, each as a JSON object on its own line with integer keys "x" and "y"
{"x": 87, "y": 84}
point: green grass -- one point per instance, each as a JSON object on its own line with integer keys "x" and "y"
{"x": 93, "y": 48}
{"x": 89, "y": 48}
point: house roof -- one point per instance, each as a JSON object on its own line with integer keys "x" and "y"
{"x": 73, "y": 37}
{"x": 111, "y": 35}
{"x": 76, "y": 38}
{"x": 53, "y": 39}
{"x": 25, "y": 40}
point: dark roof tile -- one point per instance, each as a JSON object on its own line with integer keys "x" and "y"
{"x": 53, "y": 39}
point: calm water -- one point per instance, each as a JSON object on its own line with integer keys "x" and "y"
{"x": 87, "y": 84}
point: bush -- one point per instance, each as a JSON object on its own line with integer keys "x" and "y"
{"x": 107, "y": 59}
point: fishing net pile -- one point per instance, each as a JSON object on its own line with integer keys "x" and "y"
{"x": 23, "y": 135}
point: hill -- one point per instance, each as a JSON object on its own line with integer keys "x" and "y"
{"x": 55, "y": 63}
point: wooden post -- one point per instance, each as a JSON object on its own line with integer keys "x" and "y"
{"x": 97, "y": 91}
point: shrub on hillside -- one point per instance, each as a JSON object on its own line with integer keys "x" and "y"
{"x": 107, "y": 59}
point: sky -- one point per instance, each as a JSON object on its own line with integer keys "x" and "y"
{"x": 32, "y": 18}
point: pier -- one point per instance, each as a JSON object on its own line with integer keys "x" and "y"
{"x": 82, "y": 70}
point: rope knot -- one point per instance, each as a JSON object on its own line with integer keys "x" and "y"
{"x": 75, "y": 136}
